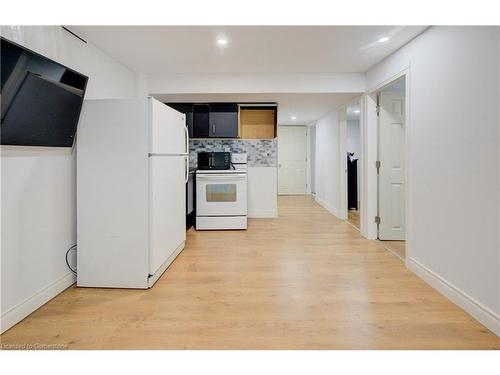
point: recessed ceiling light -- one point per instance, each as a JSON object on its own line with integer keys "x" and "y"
{"x": 357, "y": 111}
{"x": 222, "y": 41}
{"x": 384, "y": 39}
{"x": 294, "y": 118}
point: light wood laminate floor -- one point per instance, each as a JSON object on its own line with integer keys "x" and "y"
{"x": 305, "y": 280}
{"x": 397, "y": 247}
{"x": 353, "y": 217}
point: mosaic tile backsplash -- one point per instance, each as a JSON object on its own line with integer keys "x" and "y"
{"x": 260, "y": 152}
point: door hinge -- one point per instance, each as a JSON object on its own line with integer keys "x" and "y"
{"x": 377, "y": 219}
{"x": 377, "y": 165}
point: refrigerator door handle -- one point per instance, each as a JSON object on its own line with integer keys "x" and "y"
{"x": 186, "y": 132}
{"x": 186, "y": 164}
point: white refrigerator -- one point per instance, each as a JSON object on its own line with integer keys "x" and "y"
{"x": 132, "y": 167}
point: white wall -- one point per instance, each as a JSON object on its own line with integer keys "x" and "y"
{"x": 327, "y": 163}
{"x": 353, "y": 139}
{"x": 453, "y": 167}
{"x": 498, "y": 171}
{"x": 39, "y": 184}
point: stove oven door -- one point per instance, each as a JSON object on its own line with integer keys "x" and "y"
{"x": 221, "y": 194}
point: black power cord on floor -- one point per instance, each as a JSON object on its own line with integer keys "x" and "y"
{"x": 67, "y": 262}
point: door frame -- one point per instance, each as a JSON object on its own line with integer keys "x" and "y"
{"x": 342, "y": 128}
{"x": 369, "y": 153}
{"x": 311, "y": 179}
{"x": 341, "y": 112}
{"x": 307, "y": 157}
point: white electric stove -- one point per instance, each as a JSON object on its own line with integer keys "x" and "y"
{"x": 221, "y": 196}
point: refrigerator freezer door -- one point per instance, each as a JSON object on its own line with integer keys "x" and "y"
{"x": 167, "y": 208}
{"x": 168, "y": 130}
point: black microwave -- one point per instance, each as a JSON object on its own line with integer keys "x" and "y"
{"x": 214, "y": 160}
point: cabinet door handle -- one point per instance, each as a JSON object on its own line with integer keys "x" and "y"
{"x": 213, "y": 128}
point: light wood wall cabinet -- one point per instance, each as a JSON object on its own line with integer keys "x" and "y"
{"x": 258, "y": 122}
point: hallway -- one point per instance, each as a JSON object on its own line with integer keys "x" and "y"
{"x": 304, "y": 281}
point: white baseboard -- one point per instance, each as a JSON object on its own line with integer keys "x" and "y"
{"x": 17, "y": 313}
{"x": 263, "y": 214}
{"x": 327, "y": 206}
{"x": 481, "y": 313}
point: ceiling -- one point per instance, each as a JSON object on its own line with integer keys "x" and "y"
{"x": 307, "y": 108}
{"x": 253, "y": 49}
{"x": 250, "y": 49}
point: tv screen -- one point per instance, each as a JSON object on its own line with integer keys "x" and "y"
{"x": 40, "y": 99}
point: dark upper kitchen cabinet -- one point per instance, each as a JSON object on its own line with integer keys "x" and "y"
{"x": 187, "y": 109}
{"x": 215, "y": 120}
{"x": 223, "y": 120}
{"x": 201, "y": 114}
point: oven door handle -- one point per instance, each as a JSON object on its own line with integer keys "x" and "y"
{"x": 219, "y": 177}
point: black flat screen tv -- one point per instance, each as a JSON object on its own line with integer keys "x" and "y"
{"x": 40, "y": 99}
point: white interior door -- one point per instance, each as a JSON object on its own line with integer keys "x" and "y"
{"x": 167, "y": 208}
{"x": 292, "y": 160}
{"x": 392, "y": 168}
